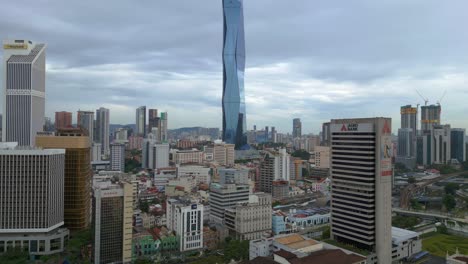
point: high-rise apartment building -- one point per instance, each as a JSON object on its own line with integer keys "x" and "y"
{"x": 85, "y": 120}
{"x": 185, "y": 217}
{"x": 78, "y": 173}
{"x": 361, "y": 169}
{"x": 250, "y": 220}
{"x": 274, "y": 166}
{"x": 233, "y": 102}
{"x": 63, "y": 120}
{"x": 430, "y": 116}
{"x": 163, "y": 137}
{"x": 224, "y": 196}
{"x": 117, "y": 157}
{"x": 458, "y": 144}
{"x": 32, "y": 199}
{"x": 141, "y": 121}
{"x": 102, "y": 129}
{"x": 153, "y": 119}
{"x": 24, "y": 74}
{"x": 112, "y": 214}
{"x": 297, "y": 128}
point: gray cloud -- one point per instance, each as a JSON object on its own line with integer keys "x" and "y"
{"x": 311, "y": 59}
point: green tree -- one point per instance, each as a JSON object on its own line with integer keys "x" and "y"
{"x": 451, "y": 188}
{"x": 449, "y": 202}
{"x": 326, "y": 233}
{"x": 300, "y": 153}
{"x": 411, "y": 180}
{"x": 14, "y": 256}
{"x": 237, "y": 250}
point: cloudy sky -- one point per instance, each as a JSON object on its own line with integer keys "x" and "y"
{"x": 315, "y": 60}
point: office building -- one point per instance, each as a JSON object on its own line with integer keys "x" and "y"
{"x": 146, "y": 147}
{"x": 297, "y": 128}
{"x": 273, "y": 135}
{"x": 153, "y": 119}
{"x": 112, "y": 214}
{"x": 32, "y": 199}
{"x": 458, "y": 144}
{"x": 185, "y": 218}
{"x": 233, "y": 176}
{"x": 225, "y": 196}
{"x": 24, "y": 74}
{"x": 163, "y": 128}
{"x": 405, "y": 142}
{"x": 441, "y": 144}
{"x": 85, "y": 120}
{"x": 193, "y": 156}
{"x": 141, "y": 121}
{"x": 222, "y": 153}
{"x": 250, "y": 220}
{"x": 361, "y": 169}
{"x": 406, "y": 148}
{"x": 78, "y": 173}
{"x": 233, "y": 102}
{"x": 424, "y": 150}
{"x": 430, "y": 116}
{"x": 274, "y": 166}
{"x": 102, "y": 129}
{"x": 48, "y": 125}
{"x": 326, "y": 134}
{"x": 117, "y": 157}
{"x": 63, "y": 120}
{"x": 154, "y": 155}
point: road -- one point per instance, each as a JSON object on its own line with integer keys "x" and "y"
{"x": 427, "y": 215}
{"x": 410, "y": 190}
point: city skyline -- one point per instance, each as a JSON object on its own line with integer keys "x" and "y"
{"x": 307, "y": 72}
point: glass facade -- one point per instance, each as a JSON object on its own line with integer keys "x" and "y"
{"x": 234, "y": 117}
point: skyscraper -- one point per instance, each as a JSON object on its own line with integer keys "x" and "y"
{"x": 102, "y": 129}
{"x": 141, "y": 121}
{"x": 24, "y": 95}
{"x": 297, "y": 128}
{"x": 153, "y": 119}
{"x": 117, "y": 157}
{"x": 78, "y": 173}
{"x": 234, "y": 116}
{"x": 458, "y": 144}
{"x": 163, "y": 127}
{"x": 112, "y": 213}
{"x": 85, "y": 120}
{"x": 32, "y": 199}
{"x": 361, "y": 169}
{"x": 430, "y": 116}
{"x": 63, "y": 120}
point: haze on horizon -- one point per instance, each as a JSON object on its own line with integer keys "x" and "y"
{"x": 315, "y": 60}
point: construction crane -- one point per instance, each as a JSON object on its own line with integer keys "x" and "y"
{"x": 424, "y": 98}
{"x": 442, "y": 97}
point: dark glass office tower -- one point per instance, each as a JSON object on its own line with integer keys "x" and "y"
{"x": 234, "y": 117}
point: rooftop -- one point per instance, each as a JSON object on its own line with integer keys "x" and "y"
{"x": 329, "y": 256}
{"x": 399, "y": 235}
